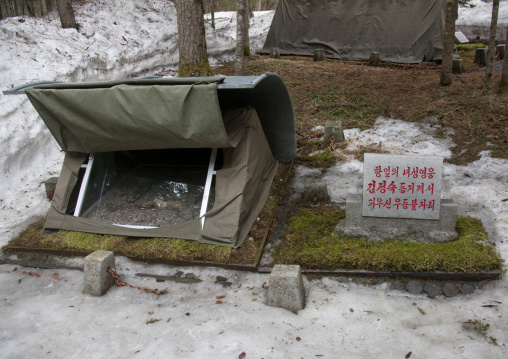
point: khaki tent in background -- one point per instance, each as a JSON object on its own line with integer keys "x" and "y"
{"x": 402, "y": 31}
{"x": 189, "y": 158}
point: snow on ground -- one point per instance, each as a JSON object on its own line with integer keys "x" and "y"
{"x": 43, "y": 317}
{"x": 479, "y": 13}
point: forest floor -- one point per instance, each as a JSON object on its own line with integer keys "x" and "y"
{"x": 356, "y": 94}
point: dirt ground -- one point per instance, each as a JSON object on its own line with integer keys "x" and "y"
{"x": 357, "y": 94}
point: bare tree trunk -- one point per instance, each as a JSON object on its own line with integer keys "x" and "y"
{"x": 212, "y": 12}
{"x": 245, "y": 28}
{"x": 448, "y": 42}
{"x": 66, "y": 14}
{"x": 239, "y": 65}
{"x": 193, "y": 56}
{"x": 492, "y": 46}
{"x": 504, "y": 75}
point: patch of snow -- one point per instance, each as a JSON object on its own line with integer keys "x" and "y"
{"x": 479, "y": 13}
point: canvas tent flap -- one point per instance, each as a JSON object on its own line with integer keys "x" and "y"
{"x": 403, "y": 31}
{"x": 133, "y": 117}
{"x": 243, "y": 185}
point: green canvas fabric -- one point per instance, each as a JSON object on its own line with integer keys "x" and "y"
{"x": 242, "y": 185}
{"x": 402, "y": 31}
{"x": 134, "y": 117}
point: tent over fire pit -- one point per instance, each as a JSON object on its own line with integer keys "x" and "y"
{"x": 189, "y": 158}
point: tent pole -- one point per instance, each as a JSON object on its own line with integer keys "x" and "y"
{"x": 84, "y": 184}
{"x": 208, "y": 185}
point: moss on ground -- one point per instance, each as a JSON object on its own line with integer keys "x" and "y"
{"x": 163, "y": 249}
{"x": 323, "y": 159}
{"x": 154, "y": 248}
{"x": 310, "y": 243}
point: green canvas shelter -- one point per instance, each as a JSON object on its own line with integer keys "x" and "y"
{"x": 402, "y": 31}
{"x": 189, "y": 158}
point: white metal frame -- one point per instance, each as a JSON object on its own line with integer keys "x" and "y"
{"x": 208, "y": 185}
{"x": 84, "y": 184}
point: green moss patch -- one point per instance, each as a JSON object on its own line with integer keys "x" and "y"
{"x": 310, "y": 243}
{"x": 323, "y": 159}
{"x": 154, "y": 248}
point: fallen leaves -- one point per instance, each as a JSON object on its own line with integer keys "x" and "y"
{"x": 242, "y": 355}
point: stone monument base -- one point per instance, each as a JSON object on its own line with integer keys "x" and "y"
{"x": 379, "y": 229}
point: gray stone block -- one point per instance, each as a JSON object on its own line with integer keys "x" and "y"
{"x": 319, "y": 55}
{"x": 450, "y": 289}
{"x": 500, "y": 51}
{"x": 286, "y": 288}
{"x": 315, "y": 191}
{"x": 275, "y": 53}
{"x": 467, "y": 288}
{"x": 458, "y": 66}
{"x": 480, "y": 56}
{"x": 397, "y": 285}
{"x": 432, "y": 288}
{"x": 379, "y": 229}
{"x": 333, "y": 128}
{"x": 97, "y": 278}
{"x": 374, "y": 59}
{"x": 50, "y": 186}
{"x": 414, "y": 287}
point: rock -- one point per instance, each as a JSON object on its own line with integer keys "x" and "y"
{"x": 359, "y": 281}
{"x": 414, "y": 287}
{"x": 397, "y": 285}
{"x": 221, "y": 279}
{"x": 343, "y": 280}
{"x": 50, "y": 185}
{"x": 315, "y": 191}
{"x": 450, "y": 289}
{"x": 433, "y": 288}
{"x": 467, "y": 288}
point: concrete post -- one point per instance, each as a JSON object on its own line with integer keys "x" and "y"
{"x": 333, "y": 128}
{"x": 319, "y": 55}
{"x": 286, "y": 288}
{"x": 315, "y": 191}
{"x": 458, "y": 66}
{"x": 480, "y": 56}
{"x": 97, "y": 278}
{"x": 275, "y": 53}
{"x": 374, "y": 59}
{"x": 500, "y": 51}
